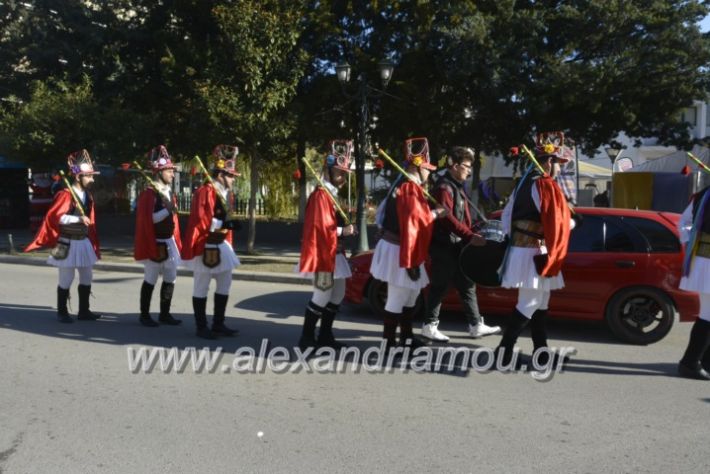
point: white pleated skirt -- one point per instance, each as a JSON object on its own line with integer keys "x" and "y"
{"x": 342, "y": 269}
{"x": 228, "y": 260}
{"x": 385, "y": 267}
{"x": 173, "y": 260}
{"x": 699, "y": 277}
{"x": 520, "y": 271}
{"x": 81, "y": 254}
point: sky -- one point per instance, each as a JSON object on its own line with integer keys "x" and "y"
{"x": 705, "y": 24}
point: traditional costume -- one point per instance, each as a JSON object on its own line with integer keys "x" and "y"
{"x": 322, "y": 256}
{"x": 694, "y": 227}
{"x": 407, "y": 224}
{"x": 74, "y": 244}
{"x": 537, "y": 221}
{"x": 157, "y": 242}
{"x": 207, "y": 247}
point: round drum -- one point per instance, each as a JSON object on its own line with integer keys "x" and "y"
{"x": 480, "y": 264}
{"x": 493, "y": 230}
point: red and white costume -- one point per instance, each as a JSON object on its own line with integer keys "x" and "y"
{"x": 153, "y": 218}
{"x": 207, "y": 218}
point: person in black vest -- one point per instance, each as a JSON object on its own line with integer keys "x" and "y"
{"x": 538, "y": 221}
{"x": 694, "y": 226}
{"x": 157, "y": 241}
{"x": 69, "y": 229}
{"x": 407, "y": 224}
{"x": 450, "y": 235}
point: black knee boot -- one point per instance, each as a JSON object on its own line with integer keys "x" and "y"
{"x": 389, "y": 333}
{"x": 166, "y": 298}
{"x": 85, "y": 313}
{"x": 690, "y": 365}
{"x": 406, "y": 330}
{"x": 325, "y": 334}
{"x": 199, "y": 305}
{"x": 504, "y": 351}
{"x": 310, "y": 319}
{"x": 146, "y": 295}
{"x": 220, "y": 308}
{"x": 62, "y": 311}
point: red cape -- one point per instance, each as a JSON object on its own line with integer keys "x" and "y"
{"x": 48, "y": 234}
{"x": 144, "y": 246}
{"x": 555, "y": 216}
{"x": 416, "y": 225}
{"x": 198, "y": 226}
{"x": 320, "y": 240}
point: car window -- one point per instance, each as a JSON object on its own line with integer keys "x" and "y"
{"x": 589, "y": 236}
{"x": 616, "y": 239}
{"x": 597, "y": 234}
{"x": 658, "y": 236}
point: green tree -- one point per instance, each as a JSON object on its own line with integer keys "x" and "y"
{"x": 251, "y": 80}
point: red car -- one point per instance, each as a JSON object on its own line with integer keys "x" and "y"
{"x": 623, "y": 267}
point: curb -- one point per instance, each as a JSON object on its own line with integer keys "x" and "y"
{"x": 290, "y": 278}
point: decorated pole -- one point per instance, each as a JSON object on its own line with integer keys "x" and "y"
{"x": 406, "y": 175}
{"x": 532, "y": 158}
{"x": 73, "y": 194}
{"x": 211, "y": 181}
{"x": 700, "y": 163}
{"x": 150, "y": 182}
{"x": 321, "y": 184}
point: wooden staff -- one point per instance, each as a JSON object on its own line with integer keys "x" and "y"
{"x": 532, "y": 158}
{"x": 406, "y": 175}
{"x": 700, "y": 163}
{"x": 321, "y": 184}
{"x": 211, "y": 181}
{"x": 78, "y": 203}
{"x": 152, "y": 183}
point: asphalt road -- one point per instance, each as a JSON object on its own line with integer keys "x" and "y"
{"x": 69, "y": 403}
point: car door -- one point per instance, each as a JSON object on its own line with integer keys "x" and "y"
{"x": 605, "y": 254}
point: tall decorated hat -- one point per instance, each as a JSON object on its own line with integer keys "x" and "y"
{"x": 225, "y": 159}
{"x": 339, "y": 155}
{"x": 416, "y": 152}
{"x": 160, "y": 159}
{"x": 80, "y": 163}
{"x": 551, "y": 145}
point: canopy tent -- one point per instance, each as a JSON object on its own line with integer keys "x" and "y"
{"x": 494, "y": 167}
{"x": 674, "y": 162}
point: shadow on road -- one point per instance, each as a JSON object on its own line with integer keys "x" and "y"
{"x": 666, "y": 369}
{"x": 124, "y": 329}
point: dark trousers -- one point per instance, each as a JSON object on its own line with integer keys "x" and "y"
{"x": 445, "y": 271}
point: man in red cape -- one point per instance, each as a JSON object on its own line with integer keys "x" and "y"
{"x": 321, "y": 256}
{"x": 538, "y": 221}
{"x": 157, "y": 241}
{"x": 69, "y": 229}
{"x": 207, "y": 247}
{"x": 407, "y": 224}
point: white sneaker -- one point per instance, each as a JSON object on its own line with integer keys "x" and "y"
{"x": 431, "y": 331}
{"x": 481, "y": 329}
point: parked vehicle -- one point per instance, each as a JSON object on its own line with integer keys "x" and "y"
{"x": 623, "y": 267}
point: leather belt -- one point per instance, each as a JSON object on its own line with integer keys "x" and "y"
{"x": 73, "y": 231}
{"x": 217, "y": 237}
{"x": 703, "y": 249}
{"x": 527, "y": 233}
{"x": 390, "y": 237}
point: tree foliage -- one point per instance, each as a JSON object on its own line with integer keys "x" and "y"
{"x": 119, "y": 76}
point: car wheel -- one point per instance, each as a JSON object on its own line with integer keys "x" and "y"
{"x": 640, "y": 315}
{"x": 377, "y": 297}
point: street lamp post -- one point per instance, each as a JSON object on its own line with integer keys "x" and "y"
{"x": 364, "y": 92}
{"x": 612, "y": 153}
